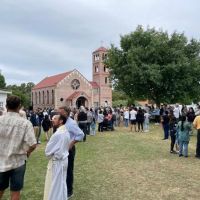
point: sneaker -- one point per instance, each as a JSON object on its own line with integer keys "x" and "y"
{"x": 180, "y": 155}
{"x": 70, "y": 195}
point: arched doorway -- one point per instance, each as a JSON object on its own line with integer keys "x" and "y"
{"x": 81, "y": 101}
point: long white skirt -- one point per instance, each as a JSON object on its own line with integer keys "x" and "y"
{"x": 55, "y": 181}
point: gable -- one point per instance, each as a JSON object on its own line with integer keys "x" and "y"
{"x": 75, "y": 74}
{"x": 51, "y": 81}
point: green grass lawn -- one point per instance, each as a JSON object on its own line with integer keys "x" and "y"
{"x": 123, "y": 165}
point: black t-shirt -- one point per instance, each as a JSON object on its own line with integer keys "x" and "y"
{"x": 140, "y": 117}
{"x": 165, "y": 119}
{"x": 190, "y": 116}
{"x": 82, "y": 116}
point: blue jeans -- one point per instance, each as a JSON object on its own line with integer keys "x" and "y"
{"x": 83, "y": 127}
{"x": 183, "y": 145}
{"x": 166, "y": 131}
{"x": 88, "y": 128}
{"x": 126, "y": 122}
{"x": 146, "y": 125}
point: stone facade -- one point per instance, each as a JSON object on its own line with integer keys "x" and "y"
{"x": 73, "y": 89}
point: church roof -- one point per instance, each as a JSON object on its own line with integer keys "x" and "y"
{"x": 101, "y": 49}
{"x": 54, "y": 80}
{"x": 51, "y": 80}
{"x": 94, "y": 84}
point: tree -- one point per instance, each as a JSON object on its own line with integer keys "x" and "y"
{"x": 118, "y": 95}
{"x": 23, "y": 91}
{"x": 120, "y": 98}
{"x": 2, "y": 82}
{"x": 154, "y": 65}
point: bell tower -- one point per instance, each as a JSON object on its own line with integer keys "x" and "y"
{"x": 101, "y": 76}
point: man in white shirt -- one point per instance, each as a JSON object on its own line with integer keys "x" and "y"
{"x": 177, "y": 112}
{"x": 17, "y": 141}
{"x": 126, "y": 117}
{"x": 133, "y": 114}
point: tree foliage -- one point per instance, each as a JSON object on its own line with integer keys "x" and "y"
{"x": 118, "y": 95}
{"x": 120, "y": 98}
{"x": 2, "y": 82}
{"x": 23, "y": 91}
{"x": 157, "y": 66}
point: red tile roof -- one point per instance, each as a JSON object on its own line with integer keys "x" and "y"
{"x": 101, "y": 49}
{"x": 94, "y": 84}
{"x": 51, "y": 80}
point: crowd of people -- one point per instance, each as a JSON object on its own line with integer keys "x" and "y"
{"x": 20, "y": 133}
{"x": 178, "y": 122}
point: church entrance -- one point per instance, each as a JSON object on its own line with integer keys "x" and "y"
{"x": 81, "y": 101}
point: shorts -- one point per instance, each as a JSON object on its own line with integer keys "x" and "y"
{"x": 15, "y": 177}
{"x": 133, "y": 121}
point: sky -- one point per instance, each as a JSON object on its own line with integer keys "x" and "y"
{"x": 40, "y": 38}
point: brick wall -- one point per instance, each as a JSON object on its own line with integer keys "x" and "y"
{"x": 101, "y": 76}
{"x": 43, "y": 98}
{"x": 64, "y": 90}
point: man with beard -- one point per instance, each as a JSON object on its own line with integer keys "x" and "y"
{"x": 57, "y": 151}
{"x": 76, "y": 135}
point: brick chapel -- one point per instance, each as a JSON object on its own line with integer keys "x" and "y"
{"x": 73, "y": 89}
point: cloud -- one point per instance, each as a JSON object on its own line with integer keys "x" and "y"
{"x": 16, "y": 75}
{"x": 47, "y": 37}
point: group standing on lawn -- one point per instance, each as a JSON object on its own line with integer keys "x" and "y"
{"x": 19, "y": 137}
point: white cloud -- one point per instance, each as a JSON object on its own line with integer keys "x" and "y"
{"x": 46, "y": 37}
{"x": 16, "y": 75}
